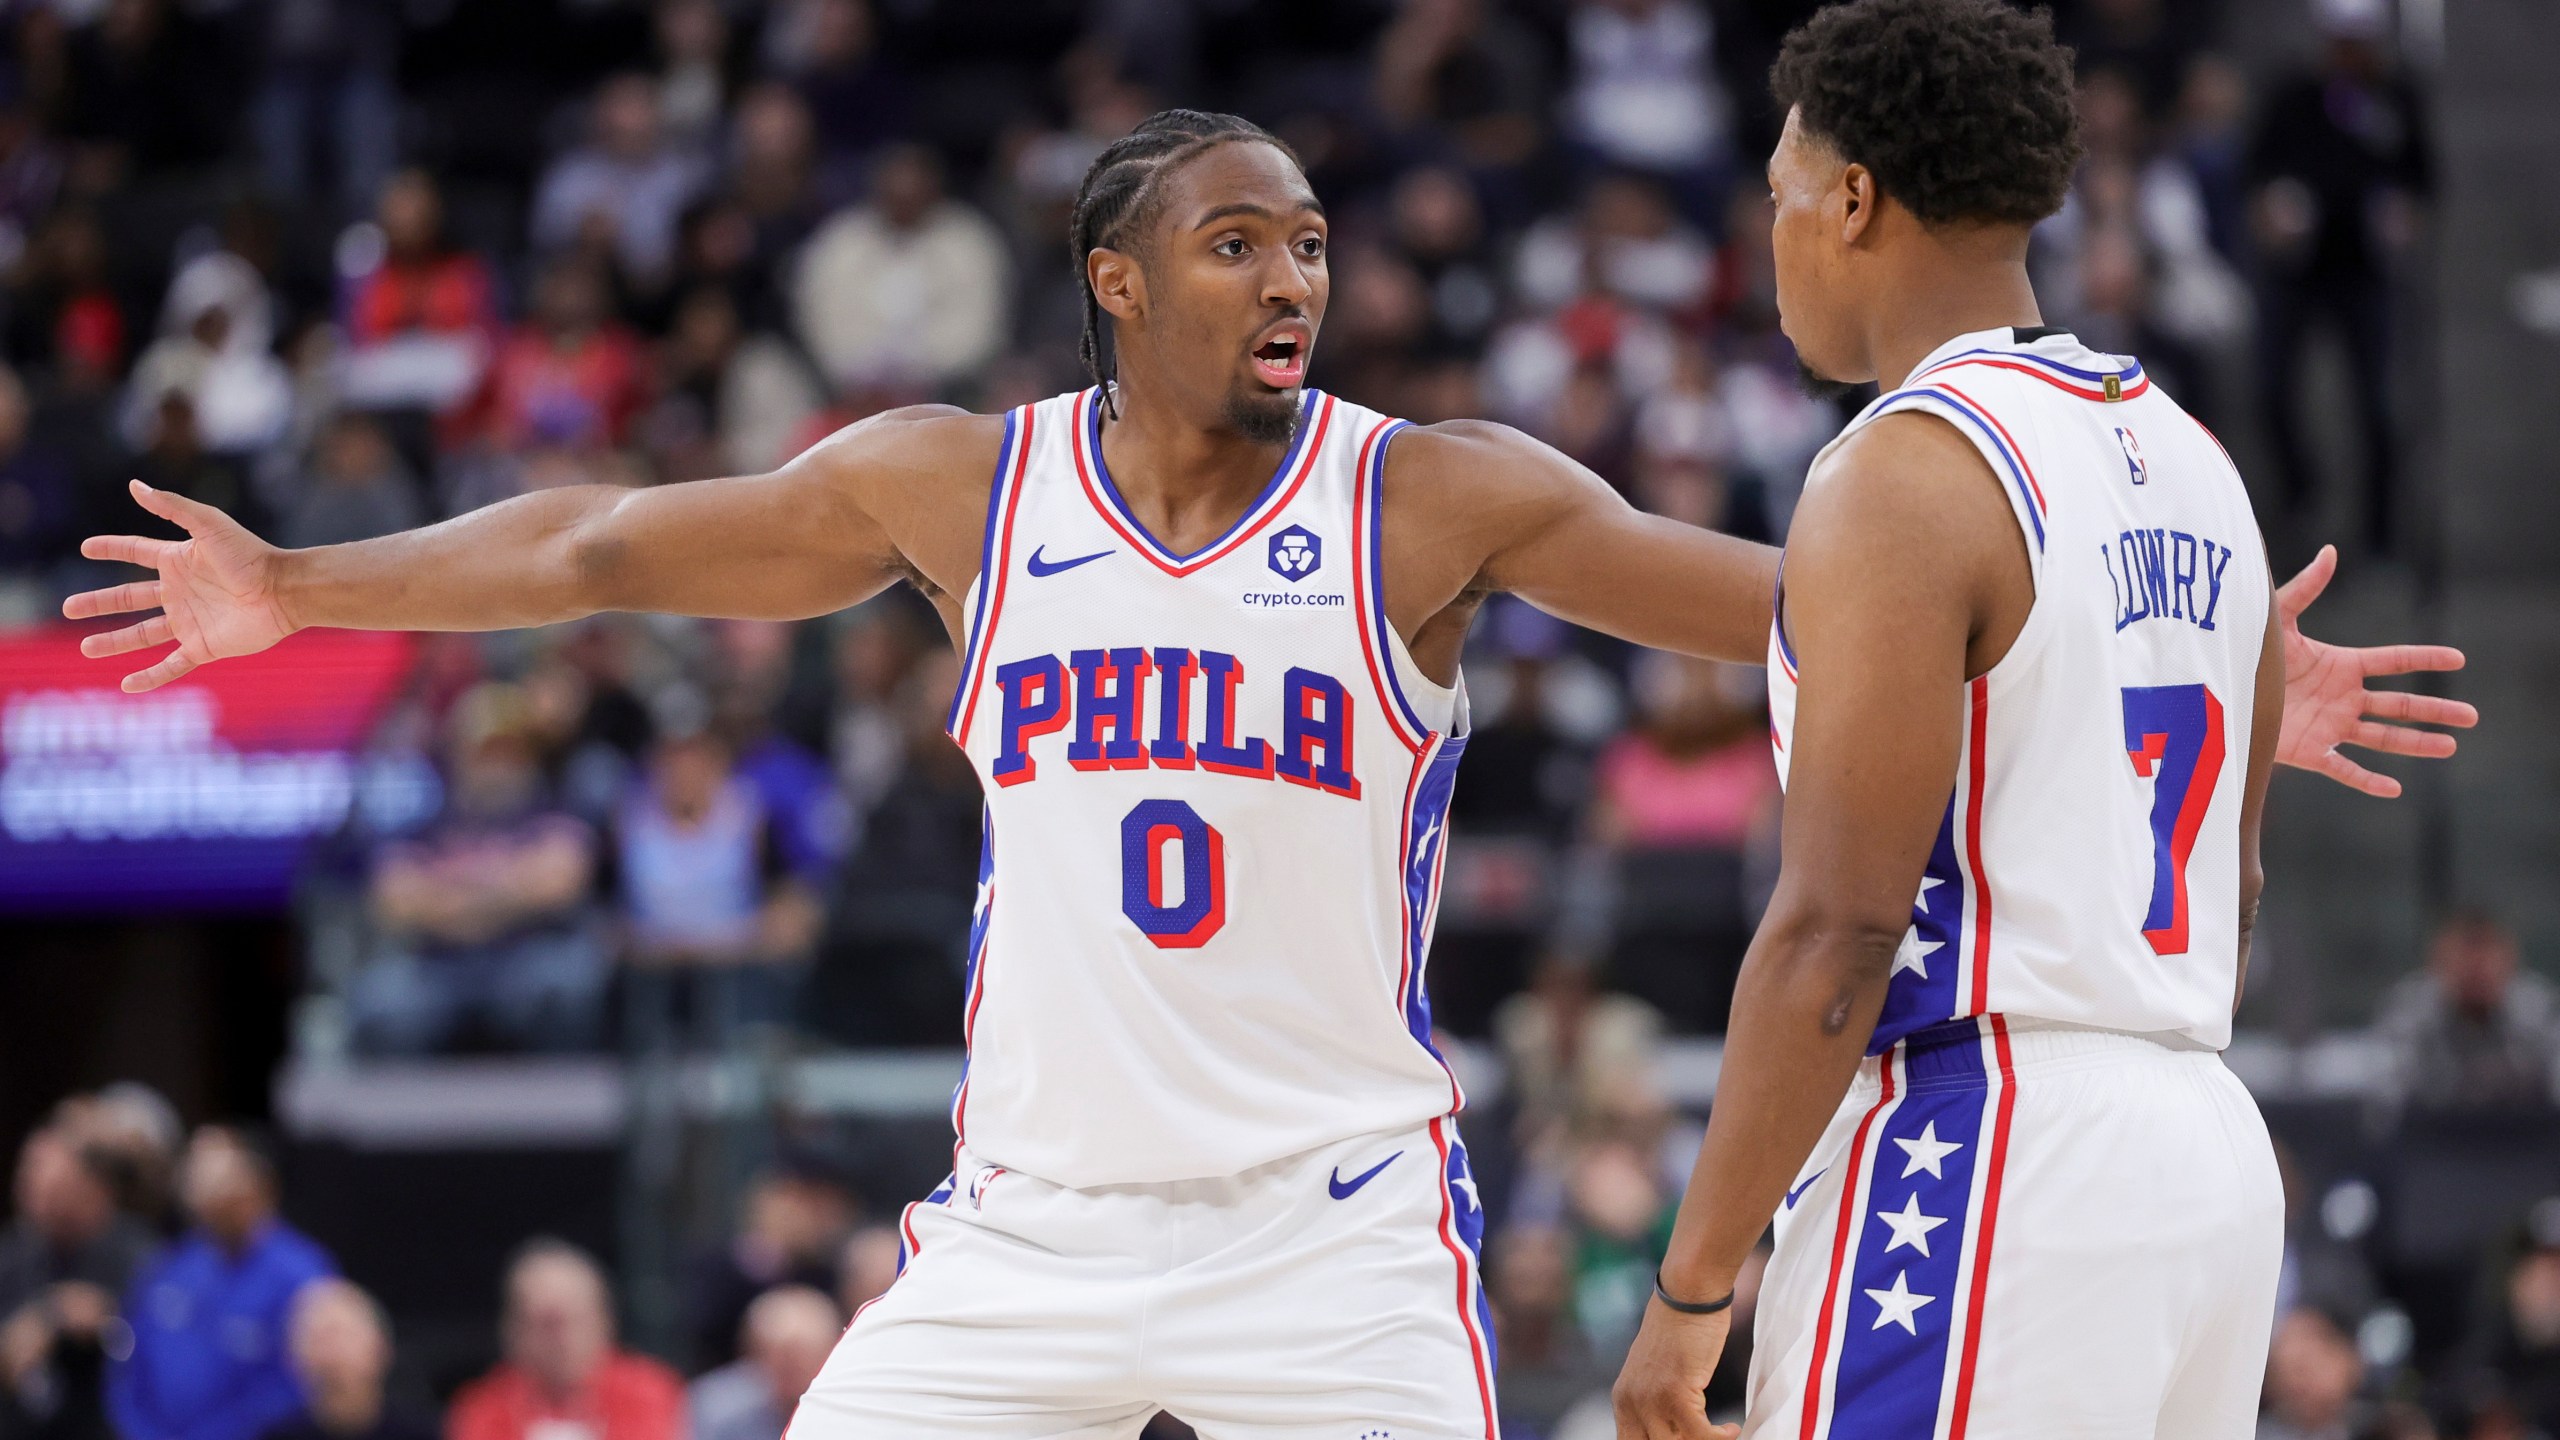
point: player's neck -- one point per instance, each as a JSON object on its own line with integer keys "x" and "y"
{"x": 1936, "y": 303}
{"x": 1183, "y": 475}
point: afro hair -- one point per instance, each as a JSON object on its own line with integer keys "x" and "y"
{"x": 1962, "y": 109}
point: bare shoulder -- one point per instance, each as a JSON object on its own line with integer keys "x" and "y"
{"x": 1909, "y": 474}
{"x": 919, "y": 474}
{"x": 915, "y": 446}
{"x": 1482, "y": 459}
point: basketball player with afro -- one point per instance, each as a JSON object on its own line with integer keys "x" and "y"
{"x": 2027, "y": 676}
{"x": 1209, "y": 621}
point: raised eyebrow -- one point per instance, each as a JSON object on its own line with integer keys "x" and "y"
{"x": 1216, "y": 213}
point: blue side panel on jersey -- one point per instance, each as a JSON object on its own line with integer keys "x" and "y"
{"x": 986, "y": 568}
{"x": 1466, "y": 1207}
{"x": 1912, "y": 999}
{"x": 1890, "y": 1377}
{"x": 1421, "y": 862}
{"x": 1991, "y": 437}
{"x": 982, "y": 915}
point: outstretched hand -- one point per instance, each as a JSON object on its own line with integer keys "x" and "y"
{"x": 2327, "y": 704}
{"x": 216, "y": 591}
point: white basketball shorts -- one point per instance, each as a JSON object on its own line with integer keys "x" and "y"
{"x": 1331, "y": 1296}
{"x": 2016, "y": 1231}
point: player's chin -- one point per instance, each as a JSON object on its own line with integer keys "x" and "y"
{"x": 1263, "y": 413}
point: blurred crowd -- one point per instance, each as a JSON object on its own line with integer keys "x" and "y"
{"x": 150, "y": 1289}
{"x": 344, "y": 267}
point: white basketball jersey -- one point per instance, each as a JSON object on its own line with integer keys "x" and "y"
{"x": 2088, "y": 868}
{"x": 1216, "y": 786}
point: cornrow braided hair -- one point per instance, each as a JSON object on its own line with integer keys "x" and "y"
{"x": 1122, "y": 192}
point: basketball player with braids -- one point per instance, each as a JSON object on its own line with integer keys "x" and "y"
{"x": 1209, "y": 620}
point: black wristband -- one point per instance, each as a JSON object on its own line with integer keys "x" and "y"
{"x": 1683, "y": 1306}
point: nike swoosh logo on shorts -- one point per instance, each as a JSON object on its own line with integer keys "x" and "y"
{"x": 1342, "y": 1189}
{"x": 1038, "y": 566}
{"x": 1798, "y": 1193}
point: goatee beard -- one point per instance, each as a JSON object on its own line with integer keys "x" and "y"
{"x": 1265, "y": 421}
{"x": 1820, "y": 386}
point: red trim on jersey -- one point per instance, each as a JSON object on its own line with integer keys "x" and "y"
{"x": 1466, "y": 1310}
{"x": 1840, "y": 1254}
{"x": 1246, "y": 529}
{"x": 2014, "y": 447}
{"x": 2124, "y": 392}
{"x": 1997, "y": 1164}
{"x": 985, "y": 639}
{"x": 1978, "y": 760}
{"x": 1369, "y": 652}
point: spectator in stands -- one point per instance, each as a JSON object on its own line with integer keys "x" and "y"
{"x": 1463, "y": 73}
{"x": 906, "y": 291}
{"x": 829, "y": 50}
{"x": 562, "y": 1371}
{"x": 786, "y": 1336}
{"x": 488, "y": 910}
{"x": 217, "y": 348}
{"x": 1645, "y": 96}
{"x": 868, "y": 1266}
{"x": 139, "y": 100}
{"x": 1565, "y": 1042}
{"x": 2313, "y": 1375}
{"x": 357, "y": 488}
{"x": 2474, "y": 1028}
{"x": 140, "y": 1135}
{"x": 420, "y": 315}
{"x": 175, "y": 458}
{"x": 341, "y": 1352}
{"x": 210, "y": 1318}
{"x": 65, "y": 1263}
{"x": 63, "y": 313}
{"x": 2515, "y": 1355}
{"x": 328, "y": 74}
{"x": 792, "y": 1224}
{"x": 1694, "y": 771}
{"x": 38, "y": 495}
{"x": 2340, "y": 165}
{"x": 707, "y": 896}
{"x": 627, "y": 184}
{"x": 1546, "y": 1363}
{"x": 569, "y": 376}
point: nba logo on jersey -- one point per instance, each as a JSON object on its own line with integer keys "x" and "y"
{"x": 2133, "y": 456}
{"x": 1296, "y": 553}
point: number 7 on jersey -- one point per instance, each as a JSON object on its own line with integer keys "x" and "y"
{"x": 2173, "y": 735}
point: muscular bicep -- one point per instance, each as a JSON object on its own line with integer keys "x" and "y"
{"x": 895, "y": 497}
{"x": 1530, "y": 521}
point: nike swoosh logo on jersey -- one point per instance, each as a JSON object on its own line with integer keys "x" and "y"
{"x": 1342, "y": 1189}
{"x": 1798, "y": 1193}
{"x": 1038, "y": 566}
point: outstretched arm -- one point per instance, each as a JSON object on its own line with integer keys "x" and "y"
{"x": 816, "y": 535}
{"x": 1498, "y": 510}
{"x": 1541, "y": 526}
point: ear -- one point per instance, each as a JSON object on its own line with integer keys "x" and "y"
{"x": 1861, "y": 198}
{"x": 1118, "y": 281}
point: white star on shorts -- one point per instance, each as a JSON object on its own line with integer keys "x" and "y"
{"x": 1910, "y": 1227}
{"x": 1927, "y": 1151}
{"x": 1897, "y": 1305}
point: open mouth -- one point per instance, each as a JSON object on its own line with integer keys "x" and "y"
{"x": 1281, "y": 361}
